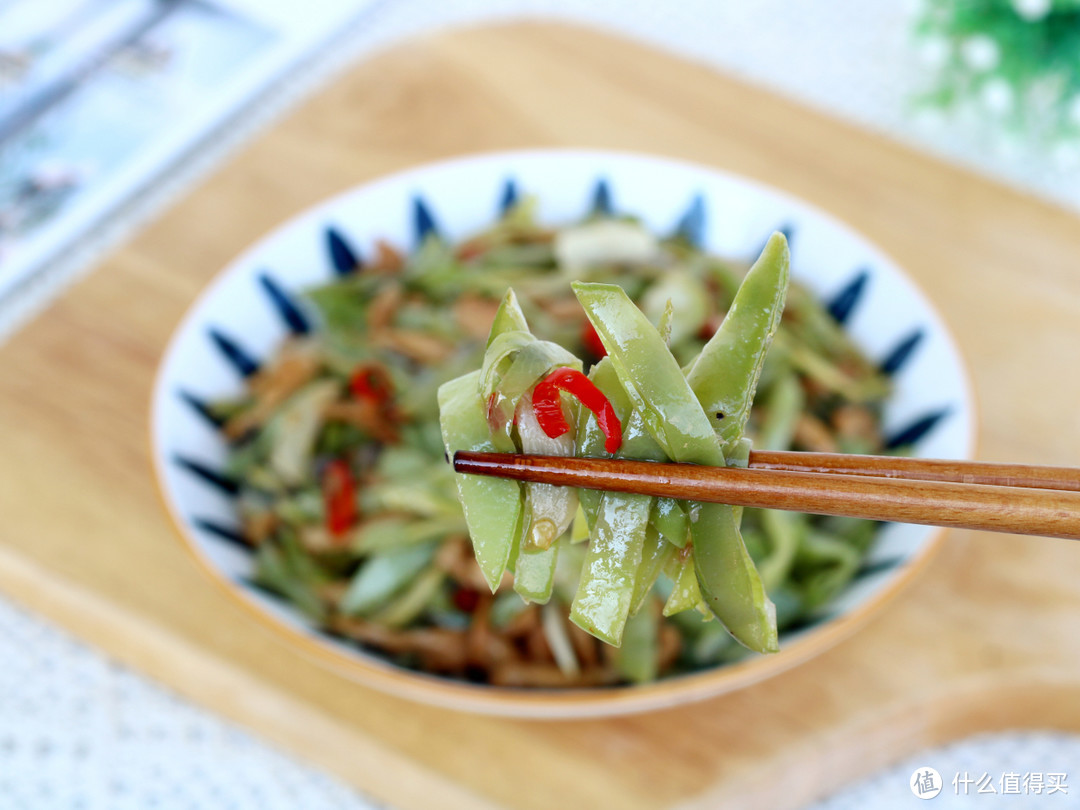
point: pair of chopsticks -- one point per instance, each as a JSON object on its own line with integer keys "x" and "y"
{"x": 1016, "y": 498}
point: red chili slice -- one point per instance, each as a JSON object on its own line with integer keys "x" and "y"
{"x": 371, "y": 382}
{"x": 339, "y": 496}
{"x": 591, "y": 340}
{"x": 548, "y": 406}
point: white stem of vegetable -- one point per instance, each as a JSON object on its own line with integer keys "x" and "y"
{"x": 550, "y": 509}
{"x": 558, "y": 639}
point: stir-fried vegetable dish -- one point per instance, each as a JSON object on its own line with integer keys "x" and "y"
{"x": 594, "y": 339}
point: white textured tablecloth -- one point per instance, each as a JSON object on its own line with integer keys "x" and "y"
{"x": 80, "y": 733}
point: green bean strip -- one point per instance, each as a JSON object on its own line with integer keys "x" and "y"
{"x": 655, "y": 554}
{"x": 534, "y": 570}
{"x": 686, "y": 593}
{"x": 384, "y": 575}
{"x": 637, "y": 659}
{"x": 413, "y": 601}
{"x": 637, "y": 441}
{"x": 835, "y": 561}
{"x": 786, "y": 532}
{"x": 726, "y": 373}
{"x": 492, "y": 506}
{"x": 786, "y": 401}
{"x": 671, "y": 520}
{"x": 605, "y": 592}
{"x": 618, "y": 526}
{"x": 655, "y": 384}
{"x": 649, "y": 375}
{"x": 815, "y": 366}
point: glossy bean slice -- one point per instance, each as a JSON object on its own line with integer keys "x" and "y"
{"x": 686, "y": 593}
{"x": 724, "y": 377}
{"x": 534, "y": 571}
{"x": 618, "y": 523}
{"x": 728, "y": 580}
{"x": 492, "y": 506}
{"x": 655, "y": 556}
{"x": 638, "y": 658}
{"x": 652, "y": 378}
{"x": 671, "y": 520}
{"x": 637, "y": 441}
{"x": 605, "y": 592}
{"x": 508, "y": 318}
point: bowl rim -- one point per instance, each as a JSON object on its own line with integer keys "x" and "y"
{"x": 368, "y": 670}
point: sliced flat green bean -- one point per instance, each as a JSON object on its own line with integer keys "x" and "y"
{"x": 383, "y": 534}
{"x": 686, "y": 593}
{"x": 786, "y": 532}
{"x": 606, "y": 589}
{"x": 638, "y": 658}
{"x": 726, "y": 373}
{"x": 729, "y": 581}
{"x": 655, "y": 555}
{"x": 534, "y": 572}
{"x": 295, "y": 427}
{"x": 671, "y": 521}
{"x": 618, "y": 525}
{"x": 287, "y": 570}
{"x": 579, "y": 530}
{"x": 383, "y": 575}
{"x": 655, "y": 384}
{"x": 786, "y": 401}
{"x": 649, "y": 375}
{"x": 858, "y": 390}
{"x": 832, "y": 563}
{"x": 492, "y": 506}
{"x": 414, "y": 600}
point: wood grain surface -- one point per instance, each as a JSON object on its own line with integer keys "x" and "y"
{"x": 984, "y": 640}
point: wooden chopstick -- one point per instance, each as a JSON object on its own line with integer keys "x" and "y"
{"x": 1019, "y": 509}
{"x": 924, "y": 469}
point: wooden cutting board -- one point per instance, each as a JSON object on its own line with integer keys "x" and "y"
{"x": 984, "y": 640}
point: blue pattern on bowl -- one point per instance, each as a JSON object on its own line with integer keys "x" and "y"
{"x": 904, "y": 351}
{"x": 509, "y": 196}
{"x": 601, "y": 198}
{"x": 845, "y": 301}
{"x": 343, "y": 258}
{"x": 423, "y": 221}
{"x": 241, "y": 360}
{"x": 289, "y": 310}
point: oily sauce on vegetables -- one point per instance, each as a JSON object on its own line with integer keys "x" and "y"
{"x": 354, "y": 514}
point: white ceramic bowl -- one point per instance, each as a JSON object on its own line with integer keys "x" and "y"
{"x": 239, "y": 318}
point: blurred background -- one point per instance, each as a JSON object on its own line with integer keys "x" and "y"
{"x": 104, "y": 102}
{"x": 111, "y": 110}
